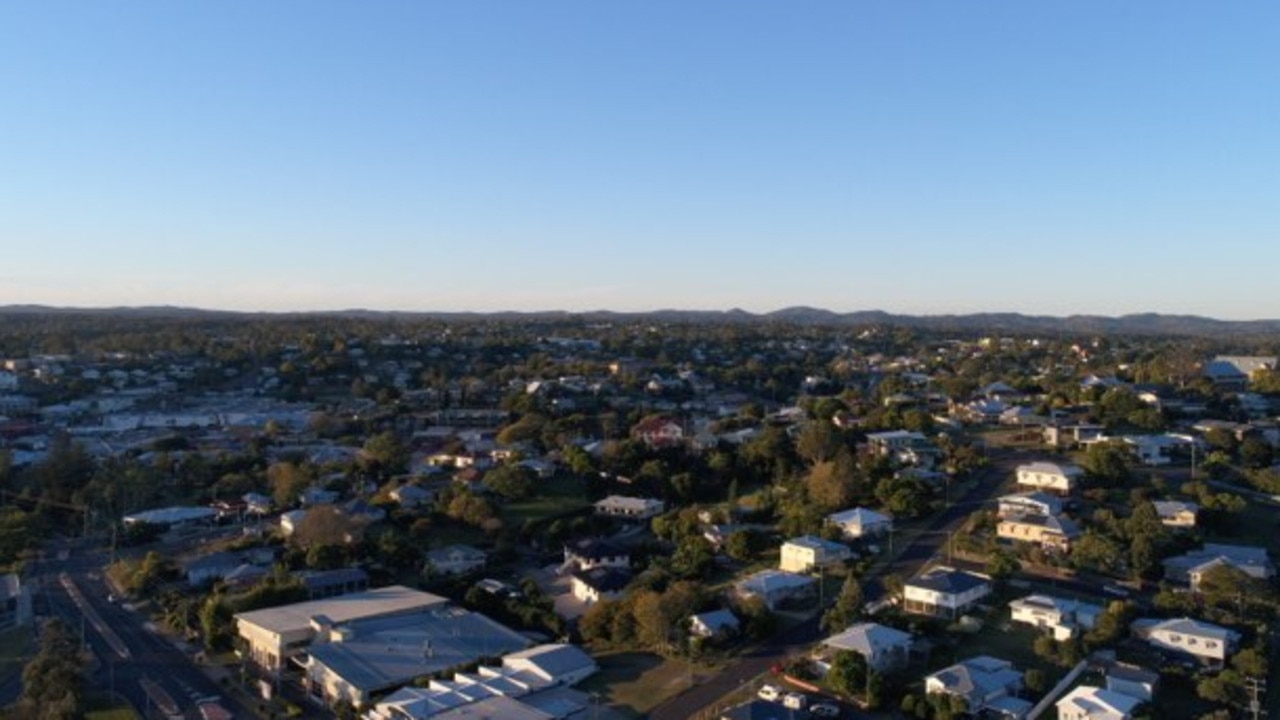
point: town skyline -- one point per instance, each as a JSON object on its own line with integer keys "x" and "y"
{"x": 1053, "y": 160}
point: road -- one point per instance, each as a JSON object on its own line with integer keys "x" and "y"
{"x": 909, "y": 560}
{"x": 155, "y": 676}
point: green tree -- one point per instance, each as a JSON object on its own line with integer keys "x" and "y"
{"x": 848, "y": 607}
{"x": 53, "y": 680}
{"x": 384, "y": 455}
{"x": 512, "y": 482}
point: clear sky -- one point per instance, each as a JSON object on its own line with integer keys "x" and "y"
{"x": 1057, "y": 157}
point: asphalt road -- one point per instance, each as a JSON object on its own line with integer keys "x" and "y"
{"x": 131, "y": 657}
{"x": 908, "y": 561}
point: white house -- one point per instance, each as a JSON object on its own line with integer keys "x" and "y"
{"x": 944, "y": 592}
{"x": 884, "y": 648}
{"x": 588, "y": 554}
{"x": 1094, "y": 703}
{"x": 1133, "y": 681}
{"x": 554, "y": 664}
{"x": 599, "y": 583}
{"x": 290, "y": 521}
{"x": 1062, "y": 479}
{"x": 805, "y": 553}
{"x": 776, "y": 587}
{"x": 890, "y": 442}
{"x": 1177, "y": 514}
{"x": 1029, "y": 503}
{"x": 456, "y": 559}
{"x": 861, "y": 523}
{"x": 717, "y": 623}
{"x": 1205, "y": 642}
{"x": 1063, "y": 618}
{"x": 1191, "y": 567}
{"x": 984, "y": 683}
{"x": 630, "y": 508}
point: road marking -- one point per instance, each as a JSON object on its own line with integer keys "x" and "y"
{"x": 94, "y": 618}
{"x": 164, "y": 702}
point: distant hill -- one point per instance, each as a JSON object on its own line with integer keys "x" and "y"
{"x": 1137, "y": 324}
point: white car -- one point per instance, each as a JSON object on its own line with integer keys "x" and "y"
{"x": 795, "y": 701}
{"x": 769, "y": 692}
{"x": 825, "y": 710}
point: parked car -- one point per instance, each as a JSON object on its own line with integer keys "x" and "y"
{"x": 795, "y": 701}
{"x": 825, "y": 710}
{"x": 769, "y": 692}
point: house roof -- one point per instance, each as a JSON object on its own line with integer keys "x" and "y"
{"x": 1050, "y": 468}
{"x": 1057, "y": 523}
{"x": 859, "y": 516}
{"x": 716, "y": 620}
{"x": 768, "y": 581}
{"x": 1098, "y": 703}
{"x": 978, "y": 676}
{"x": 811, "y": 542}
{"x": 1057, "y": 604}
{"x": 1172, "y": 508}
{"x": 949, "y": 580}
{"x": 604, "y": 579}
{"x": 555, "y": 661}
{"x": 447, "y": 554}
{"x": 316, "y": 579}
{"x": 1050, "y": 503}
{"x": 758, "y": 710}
{"x": 867, "y": 638}
{"x": 1186, "y": 626}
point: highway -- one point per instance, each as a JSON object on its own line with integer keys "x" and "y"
{"x": 154, "y": 675}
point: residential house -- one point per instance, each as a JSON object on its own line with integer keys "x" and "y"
{"x": 807, "y": 553}
{"x": 15, "y": 602}
{"x": 714, "y": 624}
{"x": 887, "y": 444}
{"x": 317, "y": 496}
{"x": 1052, "y": 532}
{"x": 630, "y": 508}
{"x": 257, "y": 503}
{"x": 1177, "y": 514}
{"x": 986, "y": 684}
{"x": 601, "y": 582}
{"x": 332, "y": 583}
{"x": 659, "y": 432}
{"x": 412, "y": 496}
{"x": 861, "y": 523}
{"x": 777, "y": 587}
{"x": 1029, "y": 503}
{"x": 206, "y": 568}
{"x": 1191, "y": 567}
{"x": 944, "y": 592}
{"x": 1053, "y": 477}
{"x": 1064, "y": 619}
{"x": 593, "y": 553}
{"x": 1205, "y": 642}
{"x": 1235, "y": 371}
{"x": 1069, "y": 436}
{"x": 456, "y": 559}
{"x": 245, "y": 575}
{"x": 290, "y": 521}
{"x": 883, "y": 648}
{"x": 1132, "y": 680}
{"x": 1093, "y": 703}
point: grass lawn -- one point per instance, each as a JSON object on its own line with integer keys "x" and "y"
{"x": 560, "y": 495}
{"x": 15, "y": 647}
{"x": 998, "y": 637}
{"x": 635, "y": 683}
{"x": 104, "y": 707}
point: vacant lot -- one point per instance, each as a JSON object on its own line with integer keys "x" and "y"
{"x": 635, "y": 683}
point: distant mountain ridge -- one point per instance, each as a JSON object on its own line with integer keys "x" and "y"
{"x": 1133, "y": 324}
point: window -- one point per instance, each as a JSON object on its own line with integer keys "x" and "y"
{"x": 1173, "y": 637}
{"x": 1210, "y": 644}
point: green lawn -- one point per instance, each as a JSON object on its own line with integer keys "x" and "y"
{"x": 560, "y": 495}
{"x": 635, "y": 683}
{"x": 15, "y": 647}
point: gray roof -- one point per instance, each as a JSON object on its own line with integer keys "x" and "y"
{"x": 866, "y": 638}
{"x": 395, "y": 599}
{"x": 316, "y": 579}
{"x": 386, "y": 652}
{"x": 497, "y": 706}
{"x": 555, "y": 660}
{"x": 1186, "y": 626}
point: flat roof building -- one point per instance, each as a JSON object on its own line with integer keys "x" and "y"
{"x": 273, "y": 634}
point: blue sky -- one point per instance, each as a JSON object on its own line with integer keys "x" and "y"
{"x": 923, "y": 157}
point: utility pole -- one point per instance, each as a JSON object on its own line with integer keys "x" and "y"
{"x": 1255, "y": 687}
